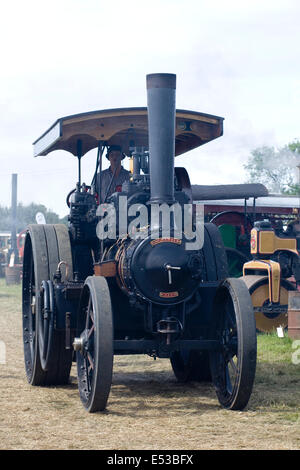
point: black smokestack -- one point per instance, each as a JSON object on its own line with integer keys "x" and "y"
{"x": 161, "y": 90}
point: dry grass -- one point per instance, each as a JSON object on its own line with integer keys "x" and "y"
{"x": 147, "y": 408}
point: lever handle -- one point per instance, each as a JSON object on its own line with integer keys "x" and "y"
{"x": 169, "y": 268}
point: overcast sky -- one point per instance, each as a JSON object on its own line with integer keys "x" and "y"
{"x": 235, "y": 59}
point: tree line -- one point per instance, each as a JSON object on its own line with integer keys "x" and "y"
{"x": 26, "y": 215}
{"x": 278, "y": 169}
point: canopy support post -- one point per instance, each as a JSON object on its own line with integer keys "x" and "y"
{"x": 79, "y": 155}
{"x": 245, "y": 216}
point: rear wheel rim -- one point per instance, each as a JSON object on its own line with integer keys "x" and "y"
{"x": 29, "y": 314}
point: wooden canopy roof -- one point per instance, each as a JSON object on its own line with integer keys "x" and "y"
{"x": 127, "y": 127}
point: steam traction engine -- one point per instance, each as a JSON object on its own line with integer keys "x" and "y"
{"x": 91, "y": 297}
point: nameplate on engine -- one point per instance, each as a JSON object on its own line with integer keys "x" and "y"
{"x": 177, "y": 241}
{"x": 168, "y": 295}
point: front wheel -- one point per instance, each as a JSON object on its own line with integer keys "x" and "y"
{"x": 233, "y": 364}
{"x": 95, "y": 344}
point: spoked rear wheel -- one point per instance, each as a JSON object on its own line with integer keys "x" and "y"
{"x": 233, "y": 364}
{"x": 95, "y": 344}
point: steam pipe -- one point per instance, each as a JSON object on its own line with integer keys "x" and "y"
{"x": 161, "y": 90}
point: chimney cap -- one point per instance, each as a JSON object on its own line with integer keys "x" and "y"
{"x": 161, "y": 80}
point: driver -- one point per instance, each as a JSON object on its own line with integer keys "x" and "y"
{"x": 112, "y": 178}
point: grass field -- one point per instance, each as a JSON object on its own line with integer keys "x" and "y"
{"x": 147, "y": 408}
